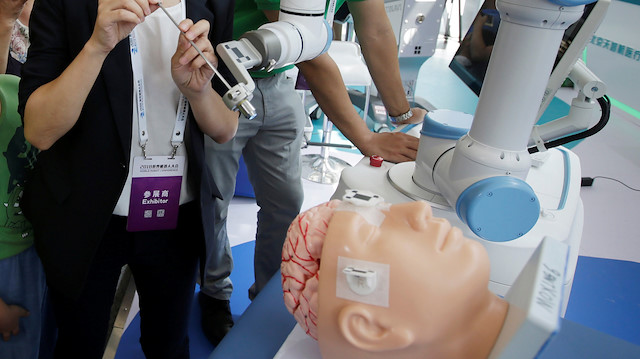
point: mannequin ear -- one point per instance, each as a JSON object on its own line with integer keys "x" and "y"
{"x": 361, "y": 329}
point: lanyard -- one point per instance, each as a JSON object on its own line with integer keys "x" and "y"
{"x": 183, "y": 106}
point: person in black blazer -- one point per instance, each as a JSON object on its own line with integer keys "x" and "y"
{"x": 77, "y": 102}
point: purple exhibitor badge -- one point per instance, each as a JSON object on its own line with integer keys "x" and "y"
{"x": 155, "y": 194}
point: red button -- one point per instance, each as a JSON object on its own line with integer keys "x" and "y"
{"x": 375, "y": 161}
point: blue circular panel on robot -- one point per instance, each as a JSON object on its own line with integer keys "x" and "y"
{"x": 329, "y": 35}
{"x": 499, "y": 209}
{"x": 447, "y": 124}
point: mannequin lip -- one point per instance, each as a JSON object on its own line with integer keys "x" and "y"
{"x": 449, "y": 242}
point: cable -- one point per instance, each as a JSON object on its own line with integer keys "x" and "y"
{"x": 605, "y": 105}
{"x": 588, "y": 181}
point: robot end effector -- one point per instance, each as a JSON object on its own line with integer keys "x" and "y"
{"x": 301, "y": 33}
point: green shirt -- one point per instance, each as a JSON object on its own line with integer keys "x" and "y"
{"x": 248, "y": 15}
{"x": 16, "y": 233}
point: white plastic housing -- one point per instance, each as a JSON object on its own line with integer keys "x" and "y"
{"x": 301, "y": 29}
{"x": 521, "y": 62}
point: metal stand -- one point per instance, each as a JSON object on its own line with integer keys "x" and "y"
{"x": 323, "y": 168}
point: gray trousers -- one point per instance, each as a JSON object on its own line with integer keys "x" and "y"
{"x": 270, "y": 144}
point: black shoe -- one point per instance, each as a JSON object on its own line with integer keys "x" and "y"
{"x": 215, "y": 316}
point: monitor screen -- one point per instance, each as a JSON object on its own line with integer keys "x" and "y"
{"x": 471, "y": 60}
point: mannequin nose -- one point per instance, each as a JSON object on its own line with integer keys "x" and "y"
{"x": 418, "y": 214}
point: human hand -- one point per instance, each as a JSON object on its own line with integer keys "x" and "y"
{"x": 10, "y": 319}
{"x": 11, "y": 9}
{"x": 392, "y": 146}
{"x": 189, "y": 70}
{"x": 116, "y": 19}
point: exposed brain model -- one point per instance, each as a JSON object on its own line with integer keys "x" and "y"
{"x": 301, "y": 263}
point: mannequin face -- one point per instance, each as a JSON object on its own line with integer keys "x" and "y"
{"x": 438, "y": 278}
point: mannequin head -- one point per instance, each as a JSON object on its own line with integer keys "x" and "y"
{"x": 431, "y": 296}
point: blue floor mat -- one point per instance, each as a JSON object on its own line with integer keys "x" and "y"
{"x": 242, "y": 278}
{"x": 606, "y": 296}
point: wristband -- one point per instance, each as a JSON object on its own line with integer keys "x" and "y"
{"x": 403, "y": 117}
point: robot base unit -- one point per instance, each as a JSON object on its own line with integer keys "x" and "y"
{"x": 554, "y": 176}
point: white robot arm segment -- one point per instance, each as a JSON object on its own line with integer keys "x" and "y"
{"x": 586, "y": 81}
{"x": 301, "y": 33}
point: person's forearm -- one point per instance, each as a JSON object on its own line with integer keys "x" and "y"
{"x": 324, "y": 79}
{"x": 54, "y": 108}
{"x": 328, "y": 88}
{"x": 380, "y": 51}
{"x": 213, "y": 116}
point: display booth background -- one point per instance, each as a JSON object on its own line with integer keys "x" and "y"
{"x": 619, "y": 69}
{"x": 617, "y": 66}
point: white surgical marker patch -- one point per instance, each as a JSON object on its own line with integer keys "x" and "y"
{"x": 363, "y": 281}
{"x": 373, "y": 215}
{"x": 369, "y": 205}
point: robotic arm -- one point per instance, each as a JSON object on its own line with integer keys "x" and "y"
{"x": 483, "y": 176}
{"x": 301, "y": 33}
